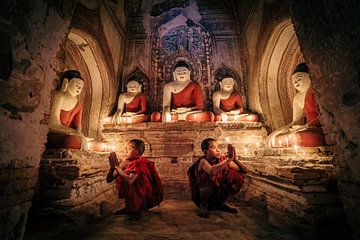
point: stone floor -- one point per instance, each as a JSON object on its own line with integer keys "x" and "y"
{"x": 174, "y": 219}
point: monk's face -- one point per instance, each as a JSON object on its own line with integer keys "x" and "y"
{"x": 132, "y": 152}
{"x": 182, "y": 74}
{"x": 227, "y": 84}
{"x": 213, "y": 151}
{"x": 133, "y": 87}
{"x": 301, "y": 81}
{"x": 75, "y": 86}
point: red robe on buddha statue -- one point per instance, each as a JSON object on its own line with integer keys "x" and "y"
{"x": 138, "y": 104}
{"x": 70, "y": 119}
{"x": 190, "y": 96}
{"x": 233, "y": 102}
{"x": 311, "y": 137}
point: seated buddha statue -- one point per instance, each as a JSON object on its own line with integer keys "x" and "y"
{"x": 228, "y": 104}
{"x": 183, "y": 99}
{"x": 305, "y": 129}
{"x": 131, "y": 105}
{"x": 66, "y": 113}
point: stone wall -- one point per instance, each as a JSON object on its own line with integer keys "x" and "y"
{"x": 36, "y": 30}
{"x": 73, "y": 186}
{"x": 328, "y": 33}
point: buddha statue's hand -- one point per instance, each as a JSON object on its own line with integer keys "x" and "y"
{"x": 224, "y": 117}
{"x": 234, "y": 112}
{"x": 84, "y": 145}
{"x": 116, "y": 118}
{"x": 128, "y": 114}
{"x": 182, "y": 109}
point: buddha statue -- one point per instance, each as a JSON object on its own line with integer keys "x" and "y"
{"x": 66, "y": 113}
{"x": 228, "y": 105}
{"x": 131, "y": 105}
{"x": 183, "y": 98}
{"x": 305, "y": 129}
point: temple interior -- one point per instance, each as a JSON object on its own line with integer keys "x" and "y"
{"x": 303, "y": 178}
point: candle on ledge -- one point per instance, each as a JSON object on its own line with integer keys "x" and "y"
{"x": 245, "y": 151}
{"x": 89, "y": 145}
{"x": 296, "y": 148}
{"x": 113, "y": 147}
{"x": 227, "y": 140}
{"x": 107, "y": 120}
{"x": 280, "y": 143}
{"x": 257, "y": 144}
{"x": 168, "y": 118}
{"x": 287, "y": 141}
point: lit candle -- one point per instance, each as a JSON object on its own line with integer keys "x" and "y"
{"x": 287, "y": 141}
{"x": 89, "y": 145}
{"x": 107, "y": 120}
{"x": 113, "y": 147}
{"x": 227, "y": 139}
{"x": 280, "y": 143}
{"x": 168, "y": 118}
{"x": 257, "y": 144}
{"x": 245, "y": 151}
{"x": 296, "y": 147}
{"x": 103, "y": 146}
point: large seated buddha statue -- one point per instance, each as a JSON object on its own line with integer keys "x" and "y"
{"x": 66, "y": 113}
{"x": 228, "y": 104}
{"x": 183, "y": 99}
{"x": 305, "y": 129}
{"x": 131, "y": 105}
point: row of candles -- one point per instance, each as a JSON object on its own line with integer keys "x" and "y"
{"x": 101, "y": 146}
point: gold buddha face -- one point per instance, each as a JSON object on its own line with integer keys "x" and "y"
{"x": 227, "y": 84}
{"x": 301, "y": 81}
{"x": 75, "y": 86}
{"x": 181, "y": 74}
{"x": 133, "y": 87}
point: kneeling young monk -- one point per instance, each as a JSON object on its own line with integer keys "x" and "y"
{"x": 137, "y": 180}
{"x": 213, "y": 178}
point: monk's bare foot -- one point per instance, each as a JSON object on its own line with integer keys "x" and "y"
{"x": 203, "y": 212}
{"x": 226, "y": 208}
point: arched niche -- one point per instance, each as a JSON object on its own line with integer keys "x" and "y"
{"x": 279, "y": 59}
{"x": 82, "y": 52}
{"x": 180, "y": 39}
{"x": 240, "y": 84}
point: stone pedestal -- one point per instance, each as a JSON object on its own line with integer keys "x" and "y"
{"x": 175, "y": 146}
{"x": 73, "y": 185}
{"x": 297, "y": 186}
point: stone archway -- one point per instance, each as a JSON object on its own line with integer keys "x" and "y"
{"x": 83, "y": 53}
{"x": 280, "y": 57}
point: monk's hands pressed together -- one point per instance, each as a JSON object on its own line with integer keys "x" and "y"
{"x": 231, "y": 153}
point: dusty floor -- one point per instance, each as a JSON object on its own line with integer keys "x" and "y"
{"x": 177, "y": 219}
{"x": 174, "y": 219}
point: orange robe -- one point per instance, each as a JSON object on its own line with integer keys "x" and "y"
{"x": 233, "y": 102}
{"x": 70, "y": 119}
{"x": 190, "y": 96}
{"x": 138, "y": 104}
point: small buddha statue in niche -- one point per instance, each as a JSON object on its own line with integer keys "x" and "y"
{"x": 131, "y": 105}
{"x": 228, "y": 105}
{"x": 304, "y": 111}
{"x": 183, "y": 98}
{"x": 66, "y": 113}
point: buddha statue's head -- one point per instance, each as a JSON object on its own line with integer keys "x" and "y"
{"x": 181, "y": 72}
{"x": 227, "y": 83}
{"x": 72, "y": 82}
{"x": 133, "y": 86}
{"x": 300, "y": 78}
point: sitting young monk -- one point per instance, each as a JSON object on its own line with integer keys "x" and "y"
{"x": 214, "y": 177}
{"x": 304, "y": 111}
{"x": 183, "y": 98}
{"x": 65, "y": 116}
{"x": 131, "y": 105}
{"x": 228, "y": 105}
{"x": 137, "y": 180}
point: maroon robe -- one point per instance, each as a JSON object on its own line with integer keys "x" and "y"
{"x": 224, "y": 183}
{"x": 147, "y": 186}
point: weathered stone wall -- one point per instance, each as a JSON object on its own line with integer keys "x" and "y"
{"x": 175, "y": 146}
{"x": 73, "y": 186}
{"x": 328, "y": 33}
{"x": 36, "y": 31}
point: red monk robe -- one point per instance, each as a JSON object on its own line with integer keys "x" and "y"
{"x": 138, "y": 104}
{"x": 312, "y": 137}
{"x": 190, "y": 96}
{"x": 225, "y": 183}
{"x": 70, "y": 119}
{"x": 147, "y": 186}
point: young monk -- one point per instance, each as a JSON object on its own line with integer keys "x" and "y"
{"x": 137, "y": 180}
{"x": 213, "y": 178}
